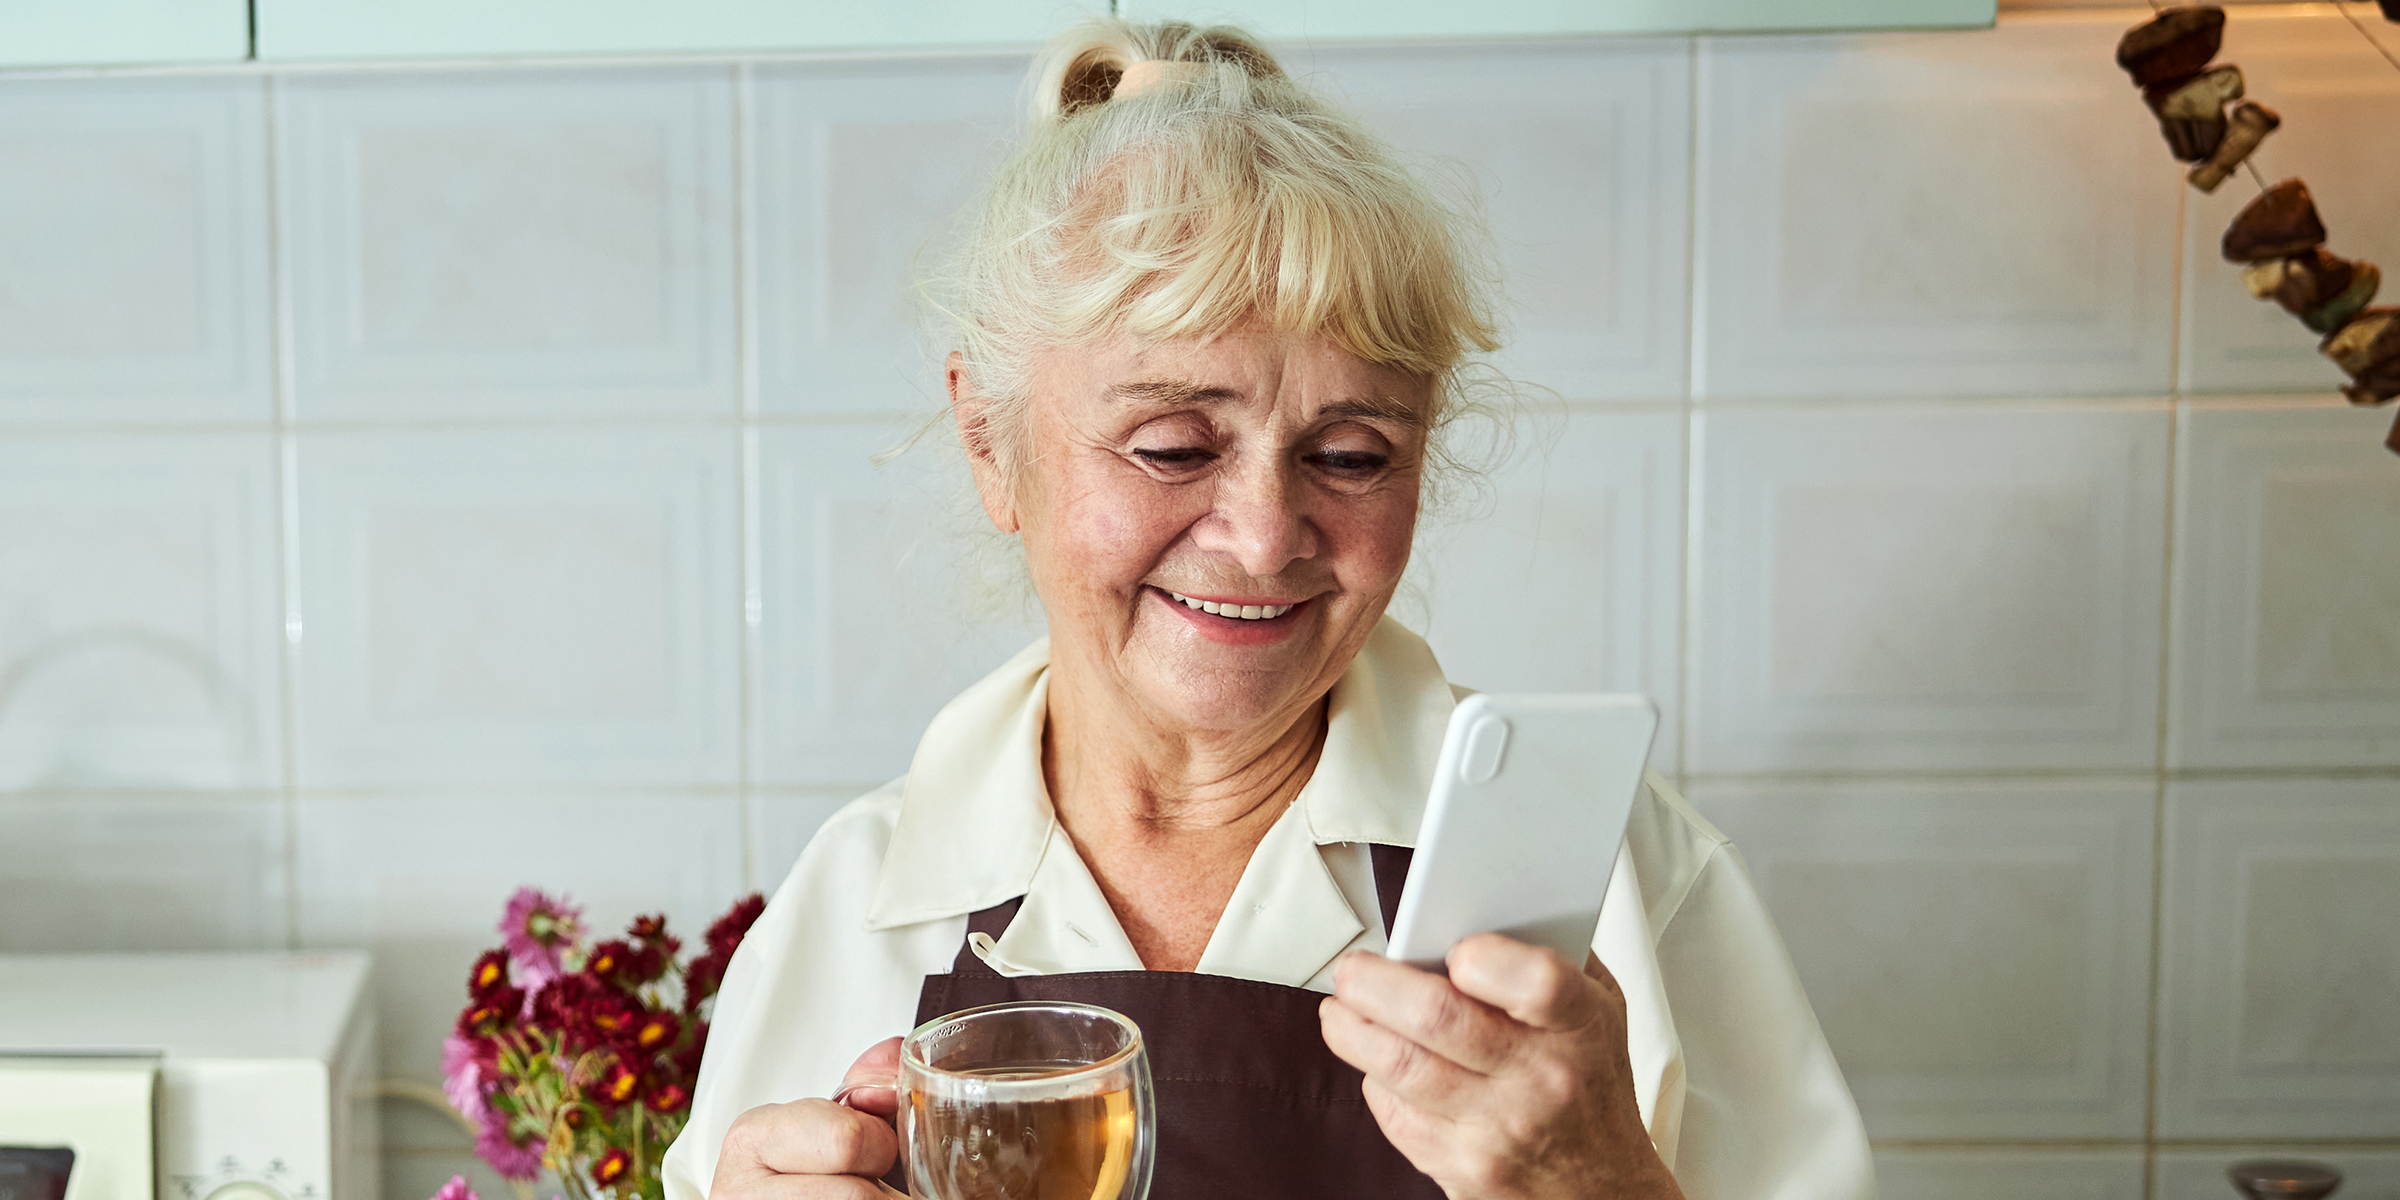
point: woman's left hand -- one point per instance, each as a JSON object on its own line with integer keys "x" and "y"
{"x": 1509, "y": 1079}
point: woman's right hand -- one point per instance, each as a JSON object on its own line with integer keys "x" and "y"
{"x": 818, "y": 1149}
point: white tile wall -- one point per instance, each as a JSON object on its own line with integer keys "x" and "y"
{"x": 138, "y": 626}
{"x": 1581, "y": 537}
{"x": 499, "y": 244}
{"x": 1977, "y": 953}
{"x": 128, "y": 872}
{"x": 2287, "y": 576}
{"x": 1922, "y": 588}
{"x": 420, "y": 878}
{"x": 1580, "y": 155}
{"x": 1872, "y": 431}
{"x": 134, "y": 251}
{"x": 781, "y": 822}
{"x": 859, "y": 171}
{"x": 553, "y": 607}
{"x": 2335, "y": 94}
{"x": 1932, "y": 215}
{"x": 2280, "y": 964}
{"x": 2007, "y": 1175}
{"x": 872, "y": 617}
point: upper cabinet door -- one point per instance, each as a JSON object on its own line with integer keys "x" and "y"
{"x": 349, "y": 29}
{"x": 1312, "y": 19}
{"x": 58, "y": 33}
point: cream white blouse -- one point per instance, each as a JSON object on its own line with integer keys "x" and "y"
{"x": 1740, "y": 1093}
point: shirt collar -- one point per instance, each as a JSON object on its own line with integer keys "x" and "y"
{"x": 975, "y": 816}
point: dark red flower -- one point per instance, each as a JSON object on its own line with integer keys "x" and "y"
{"x": 626, "y": 967}
{"x": 667, "y": 1097}
{"x": 700, "y": 980}
{"x": 652, "y": 931}
{"x": 576, "y": 1117}
{"x": 488, "y": 1015}
{"x": 612, "y": 1166}
{"x": 607, "y": 959}
{"x": 655, "y": 1032}
{"x": 622, "y": 1083}
{"x": 488, "y": 975}
{"x": 558, "y": 1007}
{"x": 729, "y": 929}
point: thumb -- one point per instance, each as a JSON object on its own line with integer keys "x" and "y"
{"x": 872, "y": 1084}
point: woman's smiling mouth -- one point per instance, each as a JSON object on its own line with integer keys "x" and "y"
{"x": 1237, "y": 620}
{"x": 1234, "y": 609}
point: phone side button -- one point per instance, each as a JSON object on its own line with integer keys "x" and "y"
{"x": 1486, "y": 742}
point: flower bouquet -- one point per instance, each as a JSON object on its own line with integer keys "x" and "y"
{"x": 580, "y": 1060}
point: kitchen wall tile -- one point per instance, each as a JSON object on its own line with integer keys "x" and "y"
{"x": 2007, "y": 1175}
{"x": 862, "y": 170}
{"x": 118, "y": 871}
{"x": 1976, "y": 213}
{"x": 1913, "y": 588}
{"x": 781, "y": 823}
{"x": 420, "y": 880}
{"x": 873, "y": 610}
{"x": 2199, "y": 1174}
{"x": 134, "y": 250}
{"x": 1581, "y": 155}
{"x": 2335, "y": 94}
{"x": 511, "y": 244}
{"x": 2287, "y": 583}
{"x": 1978, "y": 954}
{"x": 139, "y": 612}
{"x": 554, "y": 607}
{"x": 2277, "y": 1016}
{"x": 1581, "y": 539}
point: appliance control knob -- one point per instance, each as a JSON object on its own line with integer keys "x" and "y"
{"x": 247, "y": 1189}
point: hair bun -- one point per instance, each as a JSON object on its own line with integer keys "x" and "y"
{"x": 1085, "y": 65}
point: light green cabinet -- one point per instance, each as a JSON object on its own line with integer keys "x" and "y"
{"x": 351, "y": 29}
{"x": 55, "y": 33}
{"x": 1342, "y": 19}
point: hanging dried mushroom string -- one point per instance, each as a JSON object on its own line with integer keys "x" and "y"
{"x": 2277, "y": 238}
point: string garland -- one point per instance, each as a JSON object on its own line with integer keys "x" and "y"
{"x": 2277, "y": 239}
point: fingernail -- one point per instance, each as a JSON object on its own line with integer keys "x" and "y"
{"x": 842, "y": 1097}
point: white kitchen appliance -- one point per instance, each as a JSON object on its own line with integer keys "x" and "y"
{"x": 193, "y": 1076}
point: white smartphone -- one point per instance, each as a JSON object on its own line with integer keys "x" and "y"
{"x": 1529, "y": 804}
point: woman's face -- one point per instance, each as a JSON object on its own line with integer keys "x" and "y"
{"x": 1272, "y": 477}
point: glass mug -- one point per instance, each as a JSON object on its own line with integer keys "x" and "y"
{"x": 1035, "y": 1100}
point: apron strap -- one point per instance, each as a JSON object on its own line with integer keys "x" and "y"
{"x": 1391, "y": 874}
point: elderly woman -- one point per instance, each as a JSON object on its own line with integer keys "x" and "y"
{"x": 1210, "y": 335}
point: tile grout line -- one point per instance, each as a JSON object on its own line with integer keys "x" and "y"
{"x": 287, "y": 498}
{"x": 746, "y": 360}
{"x": 1695, "y": 342}
{"x": 2179, "y": 311}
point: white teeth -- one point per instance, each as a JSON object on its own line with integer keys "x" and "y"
{"x": 1239, "y": 612}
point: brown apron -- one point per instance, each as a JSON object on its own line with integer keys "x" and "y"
{"x": 1250, "y": 1102}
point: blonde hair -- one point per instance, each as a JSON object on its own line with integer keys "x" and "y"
{"x": 1219, "y": 190}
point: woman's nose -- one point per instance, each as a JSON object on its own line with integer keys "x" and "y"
{"x": 1259, "y": 521}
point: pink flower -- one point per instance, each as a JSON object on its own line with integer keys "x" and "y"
{"x": 462, "y": 1083}
{"x": 538, "y": 929}
{"x": 456, "y": 1189}
{"x": 511, "y": 1158}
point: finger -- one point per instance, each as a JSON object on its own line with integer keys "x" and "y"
{"x": 1426, "y": 1009}
{"x": 813, "y": 1137}
{"x": 872, "y": 1085}
{"x": 1424, "y": 1079}
{"x": 1530, "y": 983}
{"x": 804, "y": 1187}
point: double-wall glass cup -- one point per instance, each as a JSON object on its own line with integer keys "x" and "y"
{"x": 1028, "y": 1101}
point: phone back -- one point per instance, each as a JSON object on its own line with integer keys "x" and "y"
{"x": 1529, "y": 804}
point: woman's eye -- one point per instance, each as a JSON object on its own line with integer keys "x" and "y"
{"x": 1175, "y": 459}
{"x": 1351, "y": 462}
